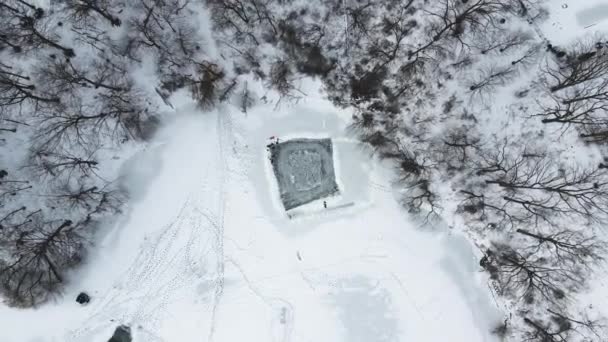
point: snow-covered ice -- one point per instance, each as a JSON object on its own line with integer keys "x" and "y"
{"x": 204, "y": 254}
{"x": 593, "y": 15}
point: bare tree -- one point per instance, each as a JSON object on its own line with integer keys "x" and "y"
{"x": 569, "y": 248}
{"x": 578, "y": 85}
{"x": 533, "y": 187}
{"x": 83, "y": 11}
{"x": 282, "y": 77}
{"x": 24, "y": 28}
{"x": 93, "y": 37}
{"x": 10, "y": 187}
{"x": 585, "y": 106}
{"x": 496, "y": 42}
{"x": 595, "y": 135}
{"x": 456, "y": 148}
{"x": 165, "y": 29}
{"x": 93, "y": 196}
{"x": 117, "y": 115}
{"x": 17, "y": 88}
{"x": 452, "y": 20}
{"x": 7, "y": 224}
{"x": 208, "y": 86}
{"x": 530, "y": 277}
{"x": 491, "y": 78}
{"x": 561, "y": 326}
{"x": 63, "y": 163}
{"x": 42, "y": 252}
{"x": 396, "y": 26}
{"x": 12, "y": 223}
{"x": 583, "y": 63}
{"x": 360, "y": 18}
{"x": 241, "y": 17}
{"x": 106, "y": 73}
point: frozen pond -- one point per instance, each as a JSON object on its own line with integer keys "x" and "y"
{"x": 205, "y": 254}
{"x": 592, "y": 15}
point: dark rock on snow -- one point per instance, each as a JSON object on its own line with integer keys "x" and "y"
{"x": 83, "y": 298}
{"x": 121, "y": 334}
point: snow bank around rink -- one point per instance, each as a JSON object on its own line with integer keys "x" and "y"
{"x": 572, "y": 19}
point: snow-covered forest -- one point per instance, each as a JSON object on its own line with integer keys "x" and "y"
{"x": 488, "y": 125}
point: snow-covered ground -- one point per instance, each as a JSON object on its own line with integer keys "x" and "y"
{"x": 206, "y": 254}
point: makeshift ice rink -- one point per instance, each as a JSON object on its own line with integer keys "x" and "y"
{"x": 304, "y": 170}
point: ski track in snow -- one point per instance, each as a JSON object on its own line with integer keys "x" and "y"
{"x": 146, "y": 288}
{"x": 281, "y": 326}
{"x": 219, "y": 234}
{"x": 169, "y": 261}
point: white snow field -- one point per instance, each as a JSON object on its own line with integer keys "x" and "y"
{"x": 207, "y": 254}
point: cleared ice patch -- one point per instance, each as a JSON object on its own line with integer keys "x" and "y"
{"x": 304, "y": 170}
{"x": 364, "y": 308}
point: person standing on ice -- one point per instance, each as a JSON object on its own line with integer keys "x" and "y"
{"x": 275, "y": 138}
{"x": 273, "y": 141}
